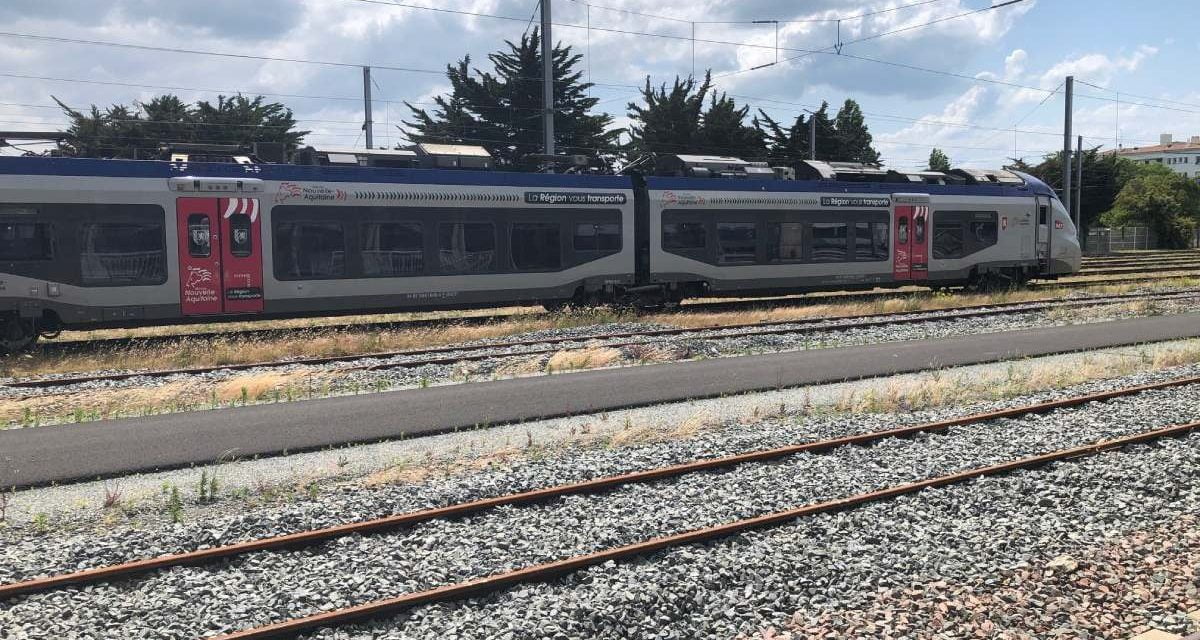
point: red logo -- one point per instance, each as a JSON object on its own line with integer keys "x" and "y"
{"x": 1058, "y": 224}
{"x": 287, "y": 191}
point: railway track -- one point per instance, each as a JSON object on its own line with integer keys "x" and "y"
{"x": 460, "y": 353}
{"x": 455, "y": 591}
{"x": 65, "y": 347}
{"x": 1134, "y": 269}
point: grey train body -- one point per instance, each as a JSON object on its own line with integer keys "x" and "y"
{"x": 115, "y": 243}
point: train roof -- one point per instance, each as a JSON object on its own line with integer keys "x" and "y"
{"x": 1020, "y": 184}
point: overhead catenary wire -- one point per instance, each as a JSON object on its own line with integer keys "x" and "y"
{"x": 439, "y": 72}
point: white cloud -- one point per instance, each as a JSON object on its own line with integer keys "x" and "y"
{"x": 1098, "y": 68}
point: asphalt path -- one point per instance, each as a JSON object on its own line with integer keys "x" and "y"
{"x": 63, "y": 453}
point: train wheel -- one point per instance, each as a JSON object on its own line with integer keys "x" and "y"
{"x": 18, "y": 335}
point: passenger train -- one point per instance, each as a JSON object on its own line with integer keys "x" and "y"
{"x": 90, "y": 243}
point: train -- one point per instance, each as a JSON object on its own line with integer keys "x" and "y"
{"x": 105, "y": 243}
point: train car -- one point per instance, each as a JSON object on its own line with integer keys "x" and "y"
{"x": 117, "y": 243}
{"x": 856, "y": 227}
{"x": 114, "y": 243}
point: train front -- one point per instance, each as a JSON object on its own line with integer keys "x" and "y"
{"x": 1066, "y": 256}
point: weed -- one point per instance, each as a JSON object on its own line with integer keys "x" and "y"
{"x": 41, "y": 523}
{"x": 174, "y": 506}
{"x": 112, "y": 495}
{"x": 3, "y": 506}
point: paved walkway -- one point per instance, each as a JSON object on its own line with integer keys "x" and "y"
{"x": 41, "y": 455}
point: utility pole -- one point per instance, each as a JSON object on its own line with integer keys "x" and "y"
{"x": 1066, "y": 184}
{"x": 1079, "y": 188}
{"x": 547, "y": 85}
{"x": 368, "y": 124}
{"x": 812, "y": 136}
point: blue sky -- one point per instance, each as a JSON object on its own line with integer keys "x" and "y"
{"x": 1142, "y": 48}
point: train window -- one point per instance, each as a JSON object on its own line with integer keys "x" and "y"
{"x": 122, "y": 253}
{"x": 785, "y": 242}
{"x": 21, "y": 241}
{"x": 1042, "y": 214}
{"x": 536, "y": 246}
{"x": 983, "y": 233}
{"x": 870, "y": 241}
{"x": 880, "y": 242}
{"x": 467, "y": 247}
{"x": 683, "y": 235}
{"x": 199, "y": 235}
{"x": 736, "y": 243}
{"x": 957, "y": 234}
{"x": 830, "y": 241}
{"x": 392, "y": 249}
{"x": 902, "y": 231}
{"x": 310, "y": 250}
{"x": 241, "y": 244}
{"x": 948, "y": 240}
{"x": 602, "y": 238}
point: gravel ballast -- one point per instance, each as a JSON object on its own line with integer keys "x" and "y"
{"x": 269, "y": 587}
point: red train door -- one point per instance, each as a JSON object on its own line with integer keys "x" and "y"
{"x": 220, "y": 257}
{"x": 920, "y": 242}
{"x": 199, "y": 256}
{"x": 241, "y": 255}
{"x": 910, "y": 229}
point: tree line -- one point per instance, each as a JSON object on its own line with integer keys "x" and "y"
{"x": 501, "y": 110}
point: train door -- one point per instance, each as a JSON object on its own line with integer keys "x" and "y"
{"x": 1042, "y": 234}
{"x": 241, "y": 255}
{"x": 220, "y": 257}
{"x": 911, "y": 231}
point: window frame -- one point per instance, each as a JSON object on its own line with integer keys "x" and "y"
{"x": 596, "y": 250}
{"x": 364, "y": 235}
{"x": 159, "y": 224}
{"x": 496, "y": 253}
{"x": 847, "y": 249}
{"x": 277, "y": 254}
{"x": 556, "y": 227}
{"x": 971, "y": 243}
{"x": 721, "y": 243}
{"x": 49, "y": 239}
{"x": 233, "y": 227}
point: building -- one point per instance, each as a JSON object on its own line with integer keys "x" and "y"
{"x": 1181, "y": 157}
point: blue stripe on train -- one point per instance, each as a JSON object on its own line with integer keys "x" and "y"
{"x": 84, "y": 167}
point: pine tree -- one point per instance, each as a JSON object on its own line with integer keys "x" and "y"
{"x": 724, "y": 132}
{"x": 938, "y": 160}
{"x": 829, "y": 148}
{"x": 784, "y": 146}
{"x": 502, "y": 110}
{"x": 853, "y": 140}
{"x": 670, "y": 120}
{"x": 121, "y": 131}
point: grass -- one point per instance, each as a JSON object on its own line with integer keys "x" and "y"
{"x": 939, "y": 390}
{"x": 232, "y": 349}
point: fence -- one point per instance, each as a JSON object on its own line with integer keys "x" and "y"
{"x": 1102, "y": 241}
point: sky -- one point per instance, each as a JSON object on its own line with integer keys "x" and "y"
{"x": 981, "y": 86}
